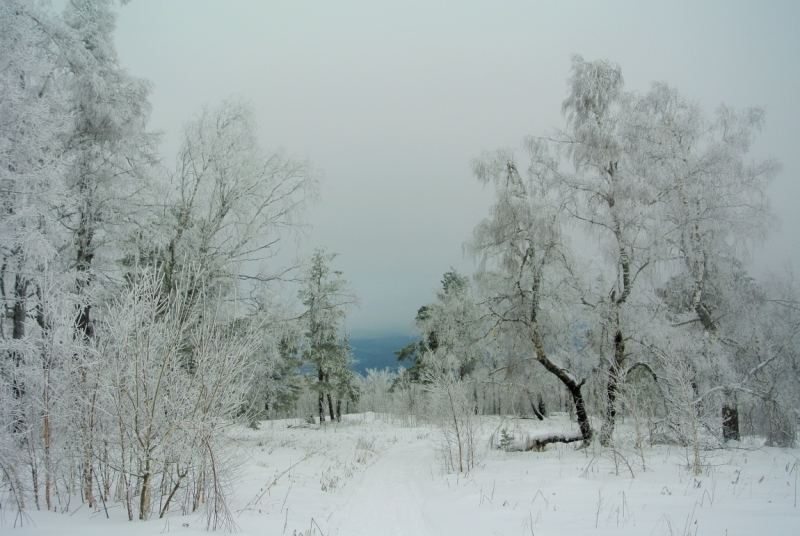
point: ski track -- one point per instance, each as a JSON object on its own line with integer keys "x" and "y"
{"x": 388, "y": 498}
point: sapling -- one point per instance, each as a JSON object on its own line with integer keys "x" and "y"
{"x": 453, "y": 413}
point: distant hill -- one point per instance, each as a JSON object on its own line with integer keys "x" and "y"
{"x": 378, "y": 353}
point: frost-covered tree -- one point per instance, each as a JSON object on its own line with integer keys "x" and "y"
{"x": 33, "y": 123}
{"x": 165, "y": 412}
{"x": 772, "y": 363}
{"x": 714, "y": 208}
{"x": 454, "y": 323}
{"x": 109, "y": 152}
{"x": 110, "y": 149}
{"x": 229, "y": 204}
{"x": 327, "y": 298}
{"x": 222, "y": 214}
{"x": 525, "y": 267}
{"x": 746, "y": 370}
{"x": 82, "y": 410}
{"x": 613, "y": 198}
{"x": 451, "y": 326}
{"x": 277, "y": 380}
{"x": 452, "y": 411}
{"x": 664, "y": 191}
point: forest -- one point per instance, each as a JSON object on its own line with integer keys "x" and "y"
{"x": 151, "y": 320}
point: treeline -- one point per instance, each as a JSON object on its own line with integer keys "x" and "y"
{"x": 143, "y": 308}
{"x": 612, "y": 278}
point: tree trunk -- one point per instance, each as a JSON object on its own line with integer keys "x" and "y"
{"x": 538, "y": 443}
{"x": 610, "y": 417}
{"x": 730, "y": 422}
{"x": 536, "y": 411}
{"x": 571, "y": 384}
{"x": 83, "y": 265}
{"x": 321, "y": 400}
{"x": 19, "y": 313}
{"x": 174, "y": 490}
{"x": 35, "y": 479}
{"x": 542, "y": 407}
{"x": 330, "y": 408}
{"x": 580, "y": 411}
{"x": 539, "y": 415}
{"x": 730, "y": 418}
{"x": 88, "y": 447}
{"x": 612, "y": 388}
{"x": 87, "y": 477}
{"x": 47, "y": 462}
{"x": 321, "y": 408}
{"x": 144, "y": 496}
{"x": 339, "y": 410}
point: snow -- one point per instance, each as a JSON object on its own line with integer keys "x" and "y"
{"x": 375, "y": 475}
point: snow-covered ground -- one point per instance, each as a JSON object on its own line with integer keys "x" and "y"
{"x": 373, "y": 475}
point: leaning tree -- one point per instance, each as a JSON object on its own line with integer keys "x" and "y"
{"x": 526, "y": 272}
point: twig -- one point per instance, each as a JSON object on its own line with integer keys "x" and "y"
{"x": 314, "y": 522}
{"x": 100, "y": 492}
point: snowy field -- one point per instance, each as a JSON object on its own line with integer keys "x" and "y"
{"x": 372, "y": 476}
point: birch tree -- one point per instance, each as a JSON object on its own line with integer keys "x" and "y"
{"x": 169, "y": 411}
{"x": 229, "y": 204}
{"x": 525, "y": 267}
{"x": 613, "y": 199}
{"x": 714, "y": 206}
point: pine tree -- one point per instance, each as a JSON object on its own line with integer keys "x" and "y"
{"x": 327, "y": 298}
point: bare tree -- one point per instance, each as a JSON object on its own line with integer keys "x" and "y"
{"x": 229, "y": 204}
{"x": 453, "y": 412}
{"x": 170, "y": 408}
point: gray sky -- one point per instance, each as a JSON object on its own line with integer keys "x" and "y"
{"x": 391, "y": 100}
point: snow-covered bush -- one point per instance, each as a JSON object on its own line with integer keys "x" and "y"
{"x": 375, "y": 391}
{"x": 452, "y": 410}
{"x": 172, "y": 380}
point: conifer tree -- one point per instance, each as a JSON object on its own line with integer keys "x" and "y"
{"x": 327, "y": 298}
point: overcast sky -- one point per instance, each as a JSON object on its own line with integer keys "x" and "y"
{"x": 392, "y": 101}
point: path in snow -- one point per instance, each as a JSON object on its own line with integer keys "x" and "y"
{"x": 389, "y": 497}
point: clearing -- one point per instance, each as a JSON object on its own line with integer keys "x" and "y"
{"x": 375, "y": 475}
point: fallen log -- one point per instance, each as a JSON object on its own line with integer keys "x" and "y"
{"x": 539, "y": 442}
